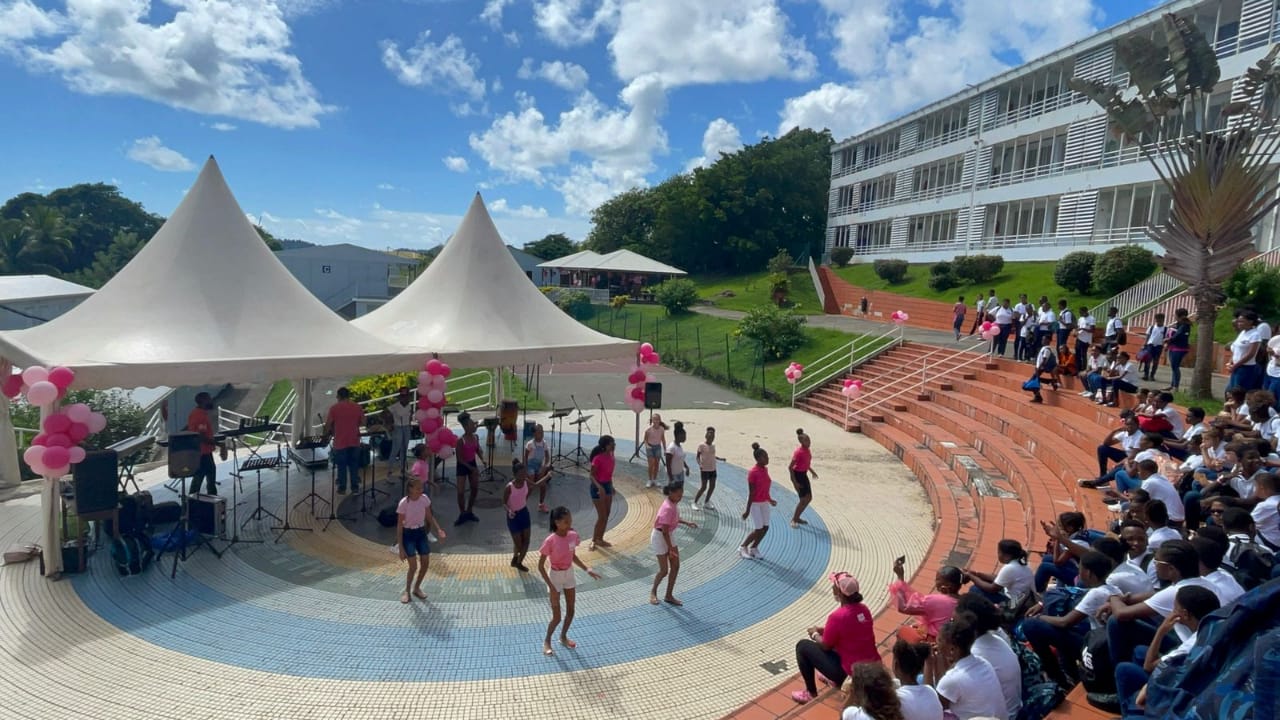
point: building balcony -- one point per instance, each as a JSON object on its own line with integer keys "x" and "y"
{"x": 1101, "y": 236}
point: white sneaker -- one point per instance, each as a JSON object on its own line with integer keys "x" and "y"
{"x": 755, "y": 553}
{"x": 1086, "y": 393}
{"x": 744, "y": 553}
{"x": 695, "y": 506}
{"x": 708, "y": 506}
{"x": 650, "y": 483}
{"x": 431, "y": 537}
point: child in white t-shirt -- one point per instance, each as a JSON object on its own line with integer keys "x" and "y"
{"x": 677, "y": 468}
{"x": 706, "y": 457}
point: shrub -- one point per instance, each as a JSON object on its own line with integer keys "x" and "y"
{"x": 617, "y": 302}
{"x": 940, "y": 268}
{"x": 891, "y": 271}
{"x": 1120, "y": 268}
{"x": 376, "y": 386}
{"x": 779, "y": 288}
{"x": 977, "y": 268}
{"x": 574, "y": 302}
{"x": 1256, "y": 286}
{"x": 677, "y": 296}
{"x": 942, "y": 281}
{"x": 1074, "y": 271}
{"x": 781, "y": 263}
{"x": 779, "y": 332}
{"x": 841, "y": 256}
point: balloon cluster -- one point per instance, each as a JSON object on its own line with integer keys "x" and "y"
{"x": 639, "y": 376}
{"x": 440, "y": 440}
{"x": 57, "y": 446}
{"x": 794, "y": 372}
{"x": 900, "y": 317}
{"x": 990, "y": 330}
{"x": 852, "y": 388}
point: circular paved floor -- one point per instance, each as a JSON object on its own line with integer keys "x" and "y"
{"x": 251, "y": 634}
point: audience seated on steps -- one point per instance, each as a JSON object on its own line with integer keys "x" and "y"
{"x": 1119, "y": 446}
{"x": 1193, "y": 427}
{"x": 1157, "y": 487}
{"x": 1069, "y": 539}
{"x": 1056, "y": 631}
{"x": 1120, "y": 377}
{"x": 1012, "y": 584}
{"x": 1190, "y": 605}
{"x": 932, "y": 609}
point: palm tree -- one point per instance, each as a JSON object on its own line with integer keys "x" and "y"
{"x": 47, "y": 247}
{"x": 1217, "y": 169}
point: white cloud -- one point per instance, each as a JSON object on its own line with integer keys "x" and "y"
{"x": 899, "y": 63}
{"x": 456, "y": 164}
{"x": 709, "y": 41}
{"x": 566, "y": 75}
{"x": 591, "y": 152}
{"x": 446, "y": 66}
{"x": 492, "y": 13}
{"x": 151, "y": 152}
{"x": 721, "y": 136}
{"x": 386, "y": 186}
{"x": 223, "y": 127}
{"x": 574, "y": 22}
{"x": 219, "y": 57}
{"x": 525, "y": 211}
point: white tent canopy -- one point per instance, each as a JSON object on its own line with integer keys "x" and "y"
{"x": 619, "y": 261}
{"x": 204, "y": 302}
{"x": 475, "y": 307}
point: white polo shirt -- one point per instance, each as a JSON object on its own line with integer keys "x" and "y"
{"x": 1004, "y": 315}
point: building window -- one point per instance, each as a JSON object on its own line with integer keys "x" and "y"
{"x": 1132, "y": 207}
{"x": 872, "y": 236}
{"x": 945, "y": 125}
{"x": 937, "y": 176}
{"x": 932, "y": 230}
{"x": 879, "y": 190}
{"x": 1025, "y": 218}
{"x": 1029, "y": 153}
{"x": 842, "y": 237}
{"x": 870, "y": 151}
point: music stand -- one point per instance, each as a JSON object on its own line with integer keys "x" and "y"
{"x": 313, "y": 496}
{"x": 236, "y": 473}
{"x": 184, "y": 550}
{"x": 557, "y": 423}
{"x": 313, "y": 442}
{"x": 579, "y": 457}
{"x": 491, "y": 441}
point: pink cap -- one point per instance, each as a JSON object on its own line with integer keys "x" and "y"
{"x": 846, "y": 583}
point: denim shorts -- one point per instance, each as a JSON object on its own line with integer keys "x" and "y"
{"x": 520, "y": 522}
{"x": 415, "y": 542}
{"x": 653, "y": 452}
{"x": 608, "y": 490}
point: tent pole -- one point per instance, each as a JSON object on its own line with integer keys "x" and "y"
{"x": 50, "y": 511}
{"x": 10, "y": 471}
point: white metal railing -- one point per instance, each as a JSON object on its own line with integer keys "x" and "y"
{"x": 843, "y": 359}
{"x": 21, "y": 434}
{"x": 850, "y": 412}
{"x": 1146, "y": 316}
{"x": 1035, "y": 109}
{"x": 1146, "y": 293}
{"x": 817, "y": 284}
{"x": 942, "y": 139}
{"x": 990, "y": 242}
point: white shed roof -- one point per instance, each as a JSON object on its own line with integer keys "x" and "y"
{"x": 34, "y": 287}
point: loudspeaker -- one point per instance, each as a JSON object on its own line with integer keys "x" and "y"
{"x": 653, "y": 396}
{"x": 208, "y": 514}
{"x": 94, "y": 479}
{"x": 184, "y": 454}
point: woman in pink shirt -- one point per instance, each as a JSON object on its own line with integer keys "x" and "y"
{"x": 602, "y": 462}
{"x": 759, "y": 502}
{"x": 801, "y": 468}
{"x": 934, "y": 609}
{"x": 664, "y": 526}
{"x": 559, "y": 550}
{"x": 847, "y": 638}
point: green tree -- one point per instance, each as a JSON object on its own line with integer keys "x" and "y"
{"x": 1219, "y": 177}
{"x": 108, "y": 262}
{"x": 124, "y": 418}
{"x": 779, "y": 332}
{"x": 272, "y": 243}
{"x": 92, "y": 215}
{"x": 550, "y": 247}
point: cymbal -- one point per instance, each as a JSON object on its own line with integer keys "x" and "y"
{"x": 579, "y": 421}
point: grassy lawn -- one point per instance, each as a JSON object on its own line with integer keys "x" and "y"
{"x": 708, "y": 346}
{"x": 275, "y": 396}
{"x": 1032, "y": 278}
{"x": 753, "y": 290}
{"x": 515, "y": 388}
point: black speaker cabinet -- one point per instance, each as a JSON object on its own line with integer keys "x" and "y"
{"x": 184, "y": 454}
{"x": 653, "y": 396}
{"x": 208, "y": 514}
{"x": 95, "y": 482}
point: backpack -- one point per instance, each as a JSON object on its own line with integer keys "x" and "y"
{"x": 1250, "y": 564}
{"x": 1039, "y": 694}
{"x": 1061, "y": 599}
{"x": 1122, "y": 336}
{"x": 1051, "y": 363}
{"x": 131, "y": 554}
{"x": 1096, "y": 672}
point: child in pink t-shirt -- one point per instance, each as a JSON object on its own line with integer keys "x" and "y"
{"x": 413, "y": 515}
{"x": 759, "y": 502}
{"x": 663, "y": 546}
{"x": 801, "y": 468}
{"x": 559, "y": 550}
{"x": 601, "y": 472}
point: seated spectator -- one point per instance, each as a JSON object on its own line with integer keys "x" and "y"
{"x": 966, "y": 686}
{"x": 1118, "y": 446}
{"x": 1265, "y": 423}
{"x": 1091, "y": 372}
{"x": 993, "y": 645}
{"x": 1266, "y": 513}
{"x": 919, "y": 702}
{"x": 1012, "y": 583}
{"x": 1180, "y": 446}
{"x": 1059, "y": 639}
{"x": 1211, "y": 553}
{"x": 1068, "y": 540}
{"x": 1248, "y": 560}
{"x": 847, "y": 638}
{"x": 1158, "y": 530}
{"x": 1046, "y": 363}
{"x": 1136, "y": 574}
{"x": 1131, "y": 619}
{"x": 1127, "y": 475}
{"x": 1236, "y": 477}
{"x": 933, "y": 609}
{"x": 1121, "y": 378}
{"x": 1159, "y": 488}
{"x": 1067, "y": 364}
{"x": 872, "y": 695}
{"x": 1160, "y": 416}
{"x": 1142, "y": 401}
{"x": 1233, "y": 403}
{"x": 1190, "y": 606}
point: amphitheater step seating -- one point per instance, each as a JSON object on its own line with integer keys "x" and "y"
{"x": 992, "y": 464}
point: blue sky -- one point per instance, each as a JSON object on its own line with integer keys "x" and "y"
{"x": 373, "y": 122}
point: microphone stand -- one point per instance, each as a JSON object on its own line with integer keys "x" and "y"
{"x": 604, "y": 417}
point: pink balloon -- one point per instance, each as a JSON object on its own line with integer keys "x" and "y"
{"x": 431, "y": 412}
{"x": 34, "y": 374}
{"x": 424, "y": 378}
{"x": 429, "y": 425}
{"x": 635, "y": 377}
{"x": 637, "y": 394}
{"x": 34, "y": 456}
{"x": 97, "y": 423}
{"x": 42, "y": 392}
{"x": 12, "y": 386}
{"x": 56, "y": 457}
{"x": 637, "y": 406}
{"x": 446, "y": 452}
{"x": 434, "y": 446}
{"x": 655, "y": 358}
{"x": 61, "y": 440}
{"x": 420, "y": 416}
{"x": 78, "y": 412}
{"x": 42, "y": 439}
{"x": 433, "y": 366}
{"x": 646, "y": 348}
{"x": 58, "y": 423}
{"x": 62, "y": 377}
{"x": 77, "y": 432}
{"x": 77, "y": 454}
{"x": 435, "y": 397}
{"x": 445, "y": 370}
{"x": 987, "y": 325}
{"x": 447, "y": 436}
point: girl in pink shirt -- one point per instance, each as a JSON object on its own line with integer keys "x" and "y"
{"x": 934, "y": 609}
{"x": 468, "y": 469}
{"x": 421, "y": 469}
{"x": 413, "y": 515}
{"x": 801, "y": 468}
{"x": 602, "y": 462}
{"x": 559, "y": 550}
{"x": 664, "y": 525}
{"x": 759, "y": 502}
{"x": 515, "y": 498}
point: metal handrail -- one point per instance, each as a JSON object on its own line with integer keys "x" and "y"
{"x": 924, "y": 379}
{"x": 842, "y": 360}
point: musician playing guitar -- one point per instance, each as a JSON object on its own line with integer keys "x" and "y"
{"x": 198, "y": 421}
